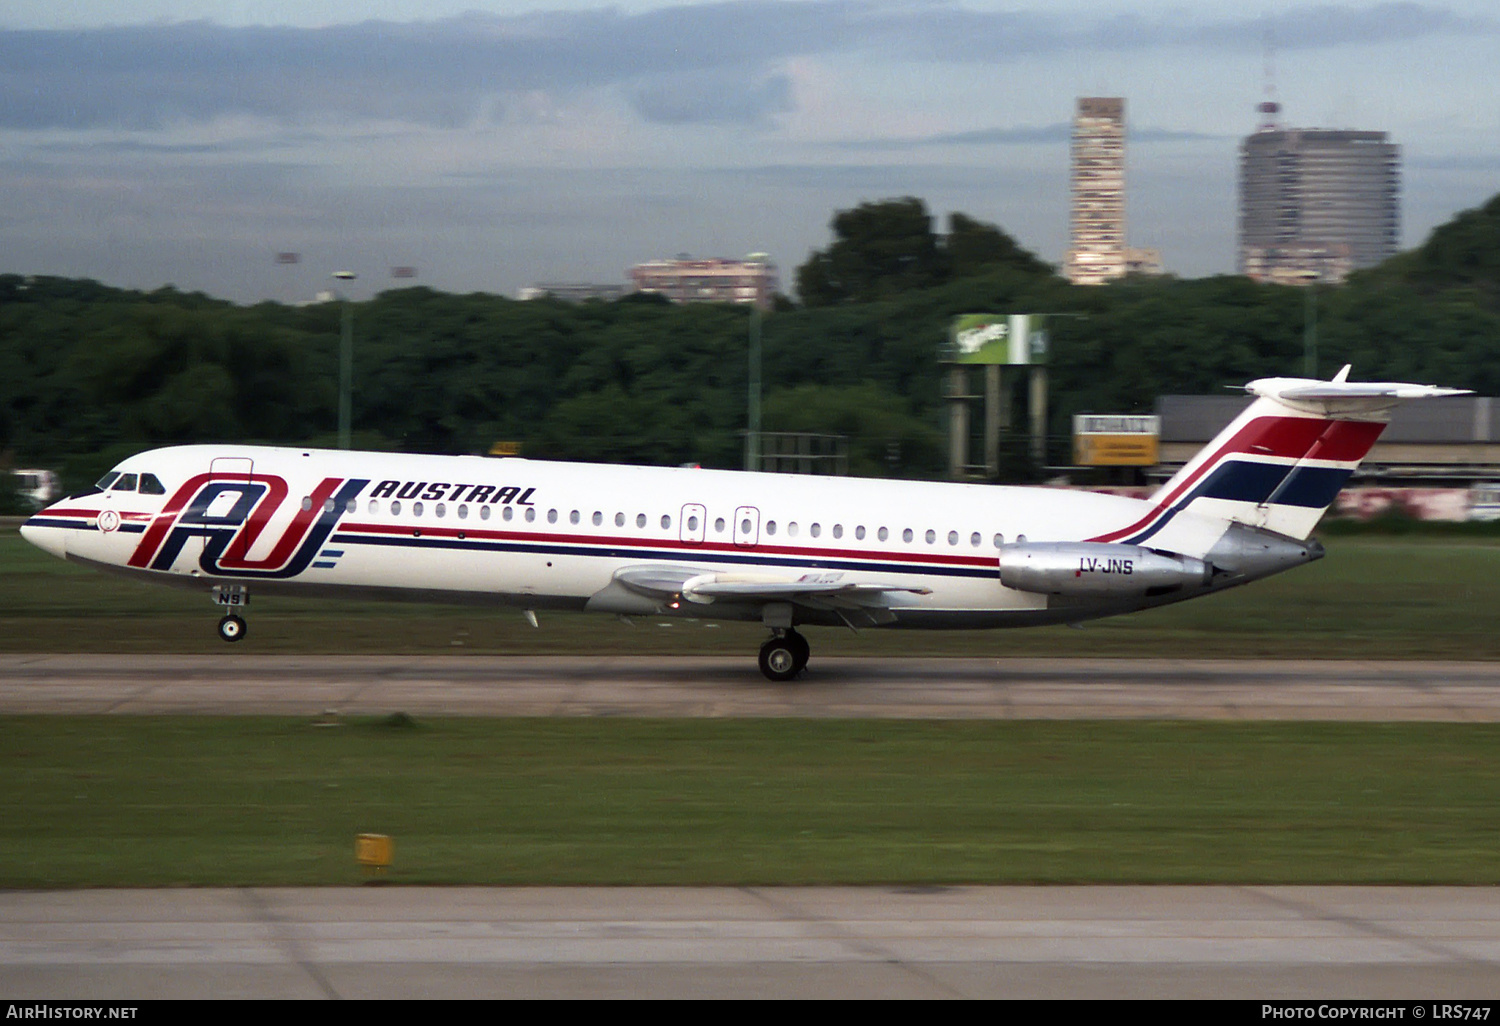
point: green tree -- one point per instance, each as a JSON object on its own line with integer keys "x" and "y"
{"x": 879, "y": 249}
{"x": 974, "y": 247}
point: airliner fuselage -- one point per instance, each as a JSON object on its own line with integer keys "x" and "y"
{"x": 784, "y": 550}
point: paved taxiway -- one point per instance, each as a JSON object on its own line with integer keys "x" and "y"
{"x": 236, "y": 683}
{"x": 1261, "y": 943}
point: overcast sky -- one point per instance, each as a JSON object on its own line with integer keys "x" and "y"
{"x": 494, "y": 144}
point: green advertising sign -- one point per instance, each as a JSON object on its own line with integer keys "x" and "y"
{"x": 1009, "y": 339}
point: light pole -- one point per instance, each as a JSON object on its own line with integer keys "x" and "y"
{"x": 346, "y": 362}
{"x": 752, "y": 420}
{"x": 1310, "y": 332}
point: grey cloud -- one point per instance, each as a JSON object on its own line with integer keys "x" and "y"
{"x": 452, "y": 71}
{"x": 720, "y": 95}
{"x": 1056, "y": 134}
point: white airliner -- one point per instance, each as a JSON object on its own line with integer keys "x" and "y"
{"x": 782, "y": 550}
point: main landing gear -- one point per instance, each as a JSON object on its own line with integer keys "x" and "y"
{"x": 784, "y": 655}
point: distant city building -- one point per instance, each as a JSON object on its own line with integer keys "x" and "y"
{"x": 1315, "y": 204}
{"x": 708, "y": 281}
{"x": 1096, "y": 252}
{"x": 573, "y": 292}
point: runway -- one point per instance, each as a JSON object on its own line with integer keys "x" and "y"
{"x": 1261, "y": 943}
{"x": 236, "y": 684}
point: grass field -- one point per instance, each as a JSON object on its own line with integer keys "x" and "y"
{"x": 202, "y": 801}
{"x": 1375, "y": 597}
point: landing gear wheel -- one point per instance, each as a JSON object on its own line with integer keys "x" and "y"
{"x": 800, "y": 647}
{"x": 778, "y": 659}
{"x": 231, "y": 628}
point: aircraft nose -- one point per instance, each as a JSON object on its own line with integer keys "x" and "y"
{"x": 48, "y": 539}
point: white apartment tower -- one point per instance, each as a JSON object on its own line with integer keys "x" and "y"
{"x": 1097, "y": 252}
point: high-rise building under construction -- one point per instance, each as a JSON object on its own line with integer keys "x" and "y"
{"x": 1096, "y": 252}
{"x": 1315, "y": 204}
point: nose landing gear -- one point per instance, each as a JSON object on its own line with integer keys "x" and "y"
{"x": 784, "y": 656}
{"x": 232, "y": 597}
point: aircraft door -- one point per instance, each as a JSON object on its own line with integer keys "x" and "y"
{"x": 228, "y": 507}
{"x": 692, "y": 525}
{"x": 746, "y": 526}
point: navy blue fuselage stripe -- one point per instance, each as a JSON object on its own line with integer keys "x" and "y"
{"x": 670, "y": 555}
{"x": 81, "y": 525}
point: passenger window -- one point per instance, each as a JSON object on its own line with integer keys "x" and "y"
{"x": 598, "y": 518}
{"x": 838, "y": 530}
{"x": 770, "y": 527}
{"x": 552, "y": 516}
{"x": 395, "y": 508}
{"x": 484, "y": 512}
{"x": 974, "y": 539}
{"x": 931, "y": 536}
{"x": 530, "y": 514}
{"x": 882, "y": 534}
{"x": 619, "y": 519}
{"x": 999, "y": 540}
{"x": 952, "y": 537}
{"x": 791, "y": 529}
{"x": 719, "y": 526}
{"x": 440, "y": 509}
{"x": 906, "y": 535}
{"x": 692, "y": 523}
{"x": 666, "y": 523}
{"x": 573, "y": 517}
{"x": 859, "y": 532}
{"x": 416, "y": 509}
{"x": 374, "y": 506}
{"x": 505, "y": 512}
{"x": 151, "y": 485}
{"x": 640, "y": 520}
{"x": 815, "y": 530}
{"x": 463, "y": 511}
{"x": 126, "y": 483}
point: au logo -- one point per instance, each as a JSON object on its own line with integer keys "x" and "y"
{"x": 231, "y": 513}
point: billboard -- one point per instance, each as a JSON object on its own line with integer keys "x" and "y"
{"x": 1009, "y": 339}
{"x": 1115, "y": 440}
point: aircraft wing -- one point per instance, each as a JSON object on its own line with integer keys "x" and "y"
{"x": 819, "y": 589}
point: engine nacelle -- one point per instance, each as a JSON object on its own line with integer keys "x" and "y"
{"x": 1098, "y": 569}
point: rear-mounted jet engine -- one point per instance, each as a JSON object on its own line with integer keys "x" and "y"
{"x": 1098, "y": 569}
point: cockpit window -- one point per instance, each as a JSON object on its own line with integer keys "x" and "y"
{"x": 126, "y": 483}
{"x": 151, "y": 485}
{"x": 107, "y": 480}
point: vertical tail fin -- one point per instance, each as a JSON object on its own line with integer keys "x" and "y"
{"x": 1280, "y": 463}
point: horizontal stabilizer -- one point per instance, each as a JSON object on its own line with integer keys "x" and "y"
{"x": 1341, "y": 397}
